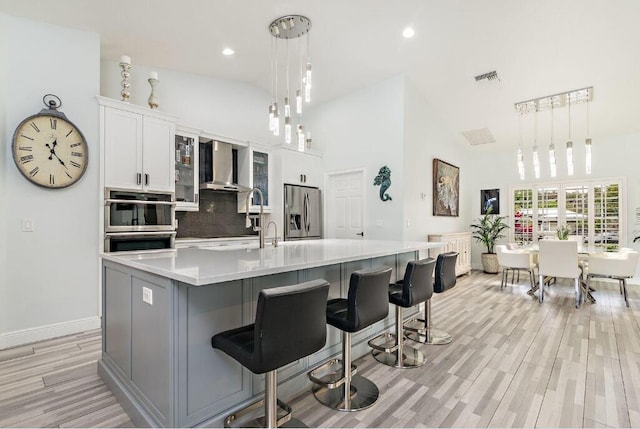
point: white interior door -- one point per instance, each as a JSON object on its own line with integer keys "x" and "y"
{"x": 345, "y": 205}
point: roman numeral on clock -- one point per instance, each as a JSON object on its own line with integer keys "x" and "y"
{"x": 35, "y": 127}
{"x": 26, "y": 158}
{"x": 76, "y": 154}
{"x": 68, "y": 175}
{"x": 26, "y": 137}
{"x": 69, "y": 133}
{"x": 75, "y": 164}
{"x": 52, "y": 179}
{"x": 75, "y": 144}
{"x": 34, "y": 171}
{"x": 27, "y": 148}
{"x": 54, "y": 123}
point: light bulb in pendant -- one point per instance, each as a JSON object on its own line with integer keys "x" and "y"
{"x": 298, "y": 102}
{"x": 300, "y": 133}
{"x": 536, "y": 162}
{"x": 307, "y": 92}
{"x": 520, "y": 164}
{"x": 570, "y": 158}
{"x": 287, "y": 129}
{"x": 587, "y": 148}
{"x": 287, "y": 107}
{"x": 276, "y": 120}
{"x": 309, "y": 139}
{"x": 271, "y": 121}
{"x": 308, "y": 73}
{"x": 552, "y": 160}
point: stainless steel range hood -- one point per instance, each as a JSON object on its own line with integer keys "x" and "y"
{"x": 222, "y": 174}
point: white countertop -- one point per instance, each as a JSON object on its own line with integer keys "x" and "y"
{"x": 201, "y": 266}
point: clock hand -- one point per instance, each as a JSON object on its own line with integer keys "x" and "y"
{"x": 53, "y": 153}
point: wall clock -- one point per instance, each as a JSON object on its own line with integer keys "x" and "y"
{"x": 48, "y": 149}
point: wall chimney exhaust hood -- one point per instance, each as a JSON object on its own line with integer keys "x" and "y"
{"x": 222, "y": 169}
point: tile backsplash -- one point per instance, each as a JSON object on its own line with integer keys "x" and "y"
{"x": 218, "y": 217}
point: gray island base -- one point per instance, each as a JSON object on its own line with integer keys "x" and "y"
{"x": 160, "y": 310}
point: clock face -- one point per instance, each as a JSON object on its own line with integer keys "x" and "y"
{"x": 50, "y": 151}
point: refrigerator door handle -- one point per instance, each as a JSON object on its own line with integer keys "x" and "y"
{"x": 306, "y": 213}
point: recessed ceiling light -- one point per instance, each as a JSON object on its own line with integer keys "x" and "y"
{"x": 228, "y": 51}
{"x": 408, "y": 32}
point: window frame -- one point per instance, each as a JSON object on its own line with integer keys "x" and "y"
{"x": 562, "y": 186}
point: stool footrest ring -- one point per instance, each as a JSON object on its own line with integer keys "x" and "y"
{"x": 238, "y": 419}
{"x": 330, "y": 374}
{"x": 385, "y": 342}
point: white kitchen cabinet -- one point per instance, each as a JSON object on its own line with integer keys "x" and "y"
{"x": 454, "y": 242}
{"x": 301, "y": 168}
{"x": 255, "y": 169}
{"x": 187, "y": 163}
{"x": 138, "y": 146}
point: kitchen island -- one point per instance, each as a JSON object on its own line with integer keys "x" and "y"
{"x": 161, "y": 308}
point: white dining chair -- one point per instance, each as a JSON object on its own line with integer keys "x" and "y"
{"x": 515, "y": 261}
{"x": 559, "y": 258}
{"x": 614, "y": 265}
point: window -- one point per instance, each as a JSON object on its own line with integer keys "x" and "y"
{"x": 592, "y": 210}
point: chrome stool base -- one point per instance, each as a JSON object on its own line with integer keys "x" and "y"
{"x": 249, "y": 417}
{"x": 433, "y": 336}
{"x": 363, "y": 394}
{"x": 411, "y": 358}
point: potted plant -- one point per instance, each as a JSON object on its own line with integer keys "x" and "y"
{"x": 487, "y": 230}
{"x": 563, "y": 232}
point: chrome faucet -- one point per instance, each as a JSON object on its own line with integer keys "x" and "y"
{"x": 249, "y": 223}
{"x": 274, "y": 242}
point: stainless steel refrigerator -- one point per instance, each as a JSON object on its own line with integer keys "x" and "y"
{"x": 302, "y": 212}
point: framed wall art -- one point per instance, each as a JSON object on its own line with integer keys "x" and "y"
{"x": 446, "y": 188}
{"x": 490, "y": 201}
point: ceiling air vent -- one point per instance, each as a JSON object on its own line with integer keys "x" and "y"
{"x": 492, "y": 75}
{"x": 477, "y": 137}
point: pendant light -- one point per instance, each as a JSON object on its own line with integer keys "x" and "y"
{"x": 520, "y": 154}
{"x": 536, "y": 158}
{"x": 552, "y": 149}
{"x": 569, "y": 144}
{"x": 587, "y": 145}
{"x": 285, "y": 28}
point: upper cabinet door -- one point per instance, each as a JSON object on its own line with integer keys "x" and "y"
{"x": 301, "y": 168}
{"x": 122, "y": 132}
{"x": 158, "y": 154}
{"x": 187, "y": 163}
{"x": 138, "y": 147}
{"x": 255, "y": 170}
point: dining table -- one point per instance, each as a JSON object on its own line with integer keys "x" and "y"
{"x": 583, "y": 255}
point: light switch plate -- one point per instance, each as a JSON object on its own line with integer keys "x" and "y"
{"x": 28, "y": 225}
{"x": 147, "y": 295}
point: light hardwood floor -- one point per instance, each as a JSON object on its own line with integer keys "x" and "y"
{"x": 513, "y": 363}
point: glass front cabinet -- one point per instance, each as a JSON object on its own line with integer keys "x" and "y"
{"x": 186, "y": 169}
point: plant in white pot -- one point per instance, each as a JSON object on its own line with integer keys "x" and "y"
{"x": 487, "y": 230}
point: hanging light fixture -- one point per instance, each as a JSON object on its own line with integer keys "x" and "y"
{"x": 552, "y": 150}
{"x": 520, "y": 153}
{"x": 569, "y": 145}
{"x": 554, "y": 101}
{"x": 536, "y": 158}
{"x": 285, "y": 28}
{"x": 587, "y": 145}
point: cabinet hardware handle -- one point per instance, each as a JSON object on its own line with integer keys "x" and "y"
{"x": 361, "y": 234}
{"x": 138, "y": 178}
{"x": 146, "y": 179}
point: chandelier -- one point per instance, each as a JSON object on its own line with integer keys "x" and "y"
{"x": 552, "y": 102}
{"x": 296, "y": 79}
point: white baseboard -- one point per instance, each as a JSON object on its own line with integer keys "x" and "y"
{"x": 26, "y": 336}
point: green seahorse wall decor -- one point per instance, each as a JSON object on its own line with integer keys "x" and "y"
{"x": 383, "y": 179}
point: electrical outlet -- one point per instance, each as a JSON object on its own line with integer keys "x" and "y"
{"x": 28, "y": 225}
{"x": 147, "y": 295}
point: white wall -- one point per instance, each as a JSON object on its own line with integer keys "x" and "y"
{"x": 226, "y": 108}
{"x": 3, "y": 181}
{"x": 426, "y": 138}
{"x": 50, "y": 276}
{"x": 365, "y": 130}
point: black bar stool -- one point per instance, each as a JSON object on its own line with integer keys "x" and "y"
{"x": 290, "y": 324}
{"x": 367, "y": 302}
{"x": 445, "y": 278}
{"x": 416, "y": 287}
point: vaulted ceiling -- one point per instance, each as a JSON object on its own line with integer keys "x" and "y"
{"x": 538, "y": 48}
